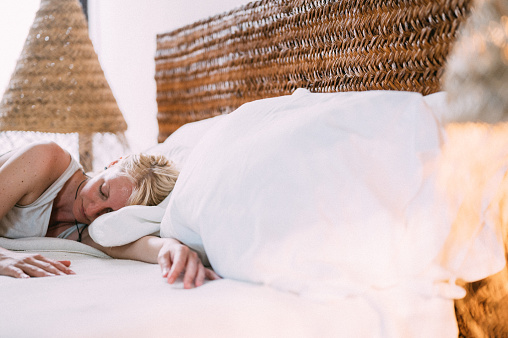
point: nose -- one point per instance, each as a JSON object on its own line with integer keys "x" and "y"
{"x": 97, "y": 209}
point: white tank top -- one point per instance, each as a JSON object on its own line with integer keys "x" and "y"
{"x": 32, "y": 220}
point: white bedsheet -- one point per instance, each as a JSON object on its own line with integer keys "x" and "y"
{"x": 121, "y": 298}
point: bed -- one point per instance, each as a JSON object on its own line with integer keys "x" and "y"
{"x": 296, "y": 62}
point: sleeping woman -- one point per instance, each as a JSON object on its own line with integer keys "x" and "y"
{"x": 45, "y": 192}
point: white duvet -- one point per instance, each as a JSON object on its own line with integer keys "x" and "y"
{"x": 333, "y": 196}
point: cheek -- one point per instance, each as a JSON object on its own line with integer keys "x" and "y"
{"x": 126, "y": 194}
{"x": 85, "y": 192}
{"x": 122, "y": 196}
{"x": 88, "y": 194}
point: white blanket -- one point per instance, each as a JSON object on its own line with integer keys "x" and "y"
{"x": 333, "y": 196}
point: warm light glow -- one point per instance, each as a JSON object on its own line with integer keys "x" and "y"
{"x": 497, "y": 34}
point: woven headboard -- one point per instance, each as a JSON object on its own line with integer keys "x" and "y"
{"x": 271, "y": 47}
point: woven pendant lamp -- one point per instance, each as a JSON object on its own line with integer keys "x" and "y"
{"x": 58, "y": 85}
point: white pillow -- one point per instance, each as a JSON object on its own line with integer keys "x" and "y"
{"x": 313, "y": 192}
{"x": 179, "y": 144}
{"x": 127, "y": 224}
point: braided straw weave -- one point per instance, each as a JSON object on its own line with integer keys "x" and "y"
{"x": 58, "y": 85}
{"x": 271, "y": 47}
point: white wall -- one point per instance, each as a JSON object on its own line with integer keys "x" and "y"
{"x": 123, "y": 33}
{"x": 16, "y": 17}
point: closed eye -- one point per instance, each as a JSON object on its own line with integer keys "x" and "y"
{"x": 101, "y": 191}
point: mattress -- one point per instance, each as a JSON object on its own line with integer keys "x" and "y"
{"x": 123, "y": 298}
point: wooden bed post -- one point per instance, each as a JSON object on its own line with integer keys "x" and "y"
{"x": 85, "y": 142}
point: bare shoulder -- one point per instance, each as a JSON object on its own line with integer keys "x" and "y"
{"x": 30, "y": 170}
{"x": 44, "y": 160}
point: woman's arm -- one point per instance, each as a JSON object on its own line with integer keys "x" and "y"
{"x": 173, "y": 257}
{"x": 25, "y": 174}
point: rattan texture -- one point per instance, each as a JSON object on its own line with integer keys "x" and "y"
{"x": 58, "y": 85}
{"x": 270, "y": 48}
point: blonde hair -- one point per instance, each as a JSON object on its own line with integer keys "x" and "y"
{"x": 154, "y": 177}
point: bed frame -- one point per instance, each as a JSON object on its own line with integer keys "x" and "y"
{"x": 271, "y": 47}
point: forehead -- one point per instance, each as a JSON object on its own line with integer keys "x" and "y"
{"x": 114, "y": 174}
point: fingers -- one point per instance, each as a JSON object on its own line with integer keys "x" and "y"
{"x": 38, "y": 266}
{"x": 200, "y": 276}
{"x": 197, "y": 273}
{"x": 15, "y": 272}
{"x": 179, "y": 259}
{"x": 64, "y": 267}
{"x": 66, "y": 263}
{"x": 211, "y": 275}
{"x": 164, "y": 260}
{"x": 179, "y": 263}
{"x": 33, "y": 270}
{"x": 191, "y": 271}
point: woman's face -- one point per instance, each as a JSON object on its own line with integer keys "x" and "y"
{"x": 106, "y": 192}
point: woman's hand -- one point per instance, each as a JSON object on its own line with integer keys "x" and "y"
{"x": 175, "y": 258}
{"x": 23, "y": 265}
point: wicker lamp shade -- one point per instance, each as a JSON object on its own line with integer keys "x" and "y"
{"x": 58, "y": 85}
